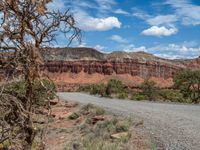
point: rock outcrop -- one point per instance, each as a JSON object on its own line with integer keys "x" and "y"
{"x": 87, "y": 65}
{"x": 133, "y": 67}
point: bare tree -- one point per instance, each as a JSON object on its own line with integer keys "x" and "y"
{"x": 26, "y": 28}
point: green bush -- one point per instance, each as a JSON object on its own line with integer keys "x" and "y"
{"x": 172, "y": 95}
{"x": 74, "y": 116}
{"x": 188, "y": 82}
{"x": 98, "y": 89}
{"x": 149, "y": 89}
{"x": 123, "y": 95}
{"x": 123, "y": 126}
{"x": 138, "y": 97}
{"x": 114, "y": 86}
{"x": 92, "y": 110}
{"x": 86, "y": 88}
{"x": 42, "y": 90}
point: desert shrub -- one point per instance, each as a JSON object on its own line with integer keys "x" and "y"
{"x": 92, "y": 110}
{"x": 123, "y": 126}
{"x": 84, "y": 89}
{"x": 74, "y": 116}
{"x": 114, "y": 86}
{"x": 99, "y": 144}
{"x": 98, "y": 89}
{"x": 149, "y": 89}
{"x": 99, "y": 111}
{"x": 172, "y": 95}
{"x": 42, "y": 90}
{"x": 188, "y": 82}
{"x": 138, "y": 96}
{"x": 123, "y": 95}
{"x": 108, "y": 125}
{"x": 115, "y": 125}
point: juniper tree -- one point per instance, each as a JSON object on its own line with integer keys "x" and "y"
{"x": 26, "y": 28}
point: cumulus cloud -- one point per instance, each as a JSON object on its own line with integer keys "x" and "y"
{"x": 118, "y": 39}
{"x": 160, "y": 31}
{"x": 161, "y": 25}
{"x": 122, "y": 12}
{"x": 100, "y": 24}
{"x": 162, "y": 20}
{"x": 89, "y": 23}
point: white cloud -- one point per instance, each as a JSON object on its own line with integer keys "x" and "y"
{"x": 100, "y": 24}
{"x": 170, "y": 51}
{"x": 190, "y": 43}
{"x": 158, "y": 23}
{"x": 175, "y": 51}
{"x": 162, "y": 20}
{"x": 83, "y": 45}
{"x": 105, "y": 5}
{"x": 99, "y": 47}
{"x": 140, "y": 14}
{"x": 122, "y": 12}
{"x": 132, "y": 48}
{"x": 186, "y": 11}
{"x": 160, "y": 31}
{"x": 89, "y": 23}
{"x": 97, "y": 22}
{"x": 118, "y": 39}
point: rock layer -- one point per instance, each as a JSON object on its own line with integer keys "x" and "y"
{"x": 87, "y": 65}
{"x": 108, "y": 67}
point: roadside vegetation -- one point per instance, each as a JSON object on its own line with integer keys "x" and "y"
{"x": 92, "y": 128}
{"x": 186, "y": 89}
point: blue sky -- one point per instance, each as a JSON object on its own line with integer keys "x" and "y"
{"x": 166, "y": 28}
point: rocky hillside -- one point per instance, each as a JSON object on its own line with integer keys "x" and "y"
{"x": 87, "y": 65}
{"x": 66, "y": 54}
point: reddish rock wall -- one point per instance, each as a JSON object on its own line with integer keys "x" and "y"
{"x": 127, "y": 66}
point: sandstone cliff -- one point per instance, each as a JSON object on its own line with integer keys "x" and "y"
{"x": 87, "y": 65}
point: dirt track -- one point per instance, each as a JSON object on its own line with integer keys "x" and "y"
{"x": 176, "y": 127}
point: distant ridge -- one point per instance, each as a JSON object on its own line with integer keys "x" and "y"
{"x": 85, "y": 53}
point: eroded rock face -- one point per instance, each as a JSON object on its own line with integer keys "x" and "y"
{"x": 87, "y": 65}
{"x": 126, "y": 66}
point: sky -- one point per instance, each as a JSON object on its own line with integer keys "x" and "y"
{"x": 165, "y": 28}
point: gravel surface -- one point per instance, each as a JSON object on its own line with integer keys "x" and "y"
{"x": 174, "y": 126}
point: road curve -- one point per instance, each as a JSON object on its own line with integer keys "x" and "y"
{"x": 176, "y": 126}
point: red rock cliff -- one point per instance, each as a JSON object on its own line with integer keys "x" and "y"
{"x": 86, "y": 65}
{"x": 108, "y": 67}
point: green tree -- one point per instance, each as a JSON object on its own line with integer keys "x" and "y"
{"x": 188, "y": 82}
{"x": 149, "y": 89}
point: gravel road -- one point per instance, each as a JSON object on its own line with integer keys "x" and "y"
{"x": 176, "y": 126}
